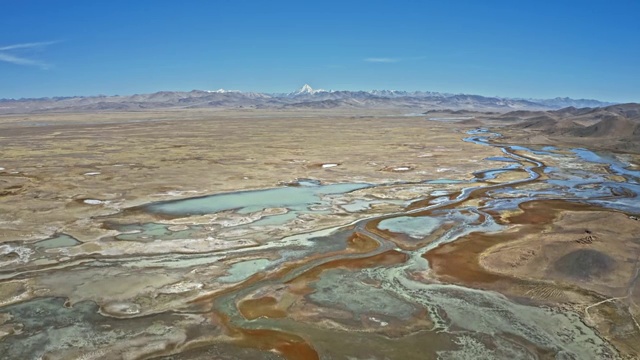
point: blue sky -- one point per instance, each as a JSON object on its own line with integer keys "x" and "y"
{"x": 581, "y": 49}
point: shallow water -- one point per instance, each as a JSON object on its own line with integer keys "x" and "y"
{"x": 416, "y": 227}
{"x": 242, "y": 270}
{"x": 297, "y": 198}
{"x": 57, "y": 242}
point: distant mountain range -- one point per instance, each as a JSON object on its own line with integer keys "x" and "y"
{"x": 304, "y": 98}
{"x": 617, "y": 125}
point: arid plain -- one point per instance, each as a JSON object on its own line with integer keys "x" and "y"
{"x": 302, "y": 234}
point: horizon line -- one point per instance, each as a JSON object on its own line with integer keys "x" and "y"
{"x": 222, "y": 90}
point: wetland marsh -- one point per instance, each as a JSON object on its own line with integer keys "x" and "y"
{"x": 232, "y": 240}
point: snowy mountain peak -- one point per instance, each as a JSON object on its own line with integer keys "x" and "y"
{"x": 306, "y": 90}
{"x": 222, "y": 91}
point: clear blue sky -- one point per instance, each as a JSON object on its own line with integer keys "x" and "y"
{"x": 581, "y": 49}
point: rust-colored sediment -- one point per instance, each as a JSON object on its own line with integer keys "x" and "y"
{"x": 267, "y": 306}
{"x": 361, "y": 243}
{"x": 387, "y": 258}
{"x": 290, "y": 346}
{"x": 404, "y": 241}
{"x": 262, "y": 307}
{"x": 459, "y": 260}
{"x": 294, "y": 347}
{"x": 356, "y": 243}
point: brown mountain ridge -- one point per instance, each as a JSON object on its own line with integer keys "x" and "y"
{"x": 616, "y": 127}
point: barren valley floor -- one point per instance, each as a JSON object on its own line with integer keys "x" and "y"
{"x": 328, "y": 234}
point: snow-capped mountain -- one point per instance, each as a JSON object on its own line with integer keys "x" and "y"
{"x": 401, "y": 93}
{"x": 307, "y": 90}
{"x": 222, "y": 91}
{"x": 304, "y": 98}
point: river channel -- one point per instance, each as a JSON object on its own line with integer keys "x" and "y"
{"x": 210, "y": 278}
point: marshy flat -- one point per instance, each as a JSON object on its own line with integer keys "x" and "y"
{"x": 312, "y": 234}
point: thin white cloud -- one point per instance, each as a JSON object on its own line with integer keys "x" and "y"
{"x": 8, "y": 54}
{"x": 27, "y": 45}
{"x": 382, "y": 60}
{"x": 20, "y": 61}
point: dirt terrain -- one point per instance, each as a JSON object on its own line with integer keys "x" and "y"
{"x": 52, "y": 163}
{"x": 302, "y": 234}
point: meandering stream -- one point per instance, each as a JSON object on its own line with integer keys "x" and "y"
{"x": 364, "y": 289}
